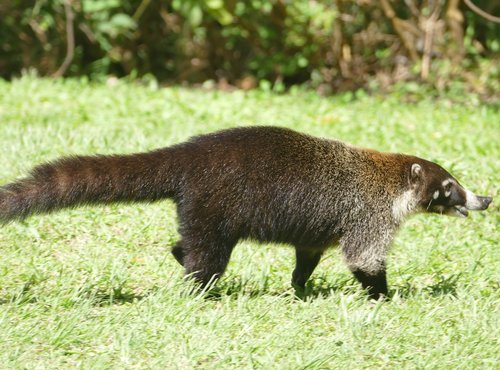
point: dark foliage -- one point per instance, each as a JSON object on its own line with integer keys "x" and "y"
{"x": 331, "y": 45}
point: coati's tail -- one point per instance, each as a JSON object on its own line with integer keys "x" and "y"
{"x": 73, "y": 181}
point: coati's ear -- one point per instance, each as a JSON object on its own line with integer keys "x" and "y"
{"x": 415, "y": 173}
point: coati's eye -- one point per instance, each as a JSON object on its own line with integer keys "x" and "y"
{"x": 447, "y": 188}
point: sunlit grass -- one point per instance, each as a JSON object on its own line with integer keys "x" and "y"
{"x": 98, "y": 288}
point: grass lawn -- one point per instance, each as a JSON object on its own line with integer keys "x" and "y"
{"x": 97, "y": 288}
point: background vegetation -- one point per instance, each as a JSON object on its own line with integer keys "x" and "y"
{"x": 96, "y": 288}
{"x": 330, "y": 45}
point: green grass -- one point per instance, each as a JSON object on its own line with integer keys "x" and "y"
{"x": 97, "y": 288}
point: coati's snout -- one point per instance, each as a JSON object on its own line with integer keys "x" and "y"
{"x": 439, "y": 192}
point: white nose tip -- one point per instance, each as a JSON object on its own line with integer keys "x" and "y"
{"x": 477, "y": 203}
{"x": 486, "y": 201}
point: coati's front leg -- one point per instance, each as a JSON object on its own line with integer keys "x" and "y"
{"x": 375, "y": 283}
{"x": 306, "y": 262}
{"x": 365, "y": 254}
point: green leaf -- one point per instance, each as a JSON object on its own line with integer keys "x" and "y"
{"x": 195, "y": 16}
{"x": 222, "y": 16}
{"x": 92, "y": 6}
{"x": 214, "y": 4}
{"x": 123, "y": 21}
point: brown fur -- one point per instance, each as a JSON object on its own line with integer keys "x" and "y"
{"x": 264, "y": 183}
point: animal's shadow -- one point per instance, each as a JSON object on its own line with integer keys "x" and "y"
{"x": 444, "y": 286}
{"x": 99, "y": 296}
{"x": 320, "y": 287}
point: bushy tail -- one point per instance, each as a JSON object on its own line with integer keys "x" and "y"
{"x": 73, "y": 181}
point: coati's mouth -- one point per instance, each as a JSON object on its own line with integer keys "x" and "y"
{"x": 460, "y": 211}
{"x": 457, "y": 211}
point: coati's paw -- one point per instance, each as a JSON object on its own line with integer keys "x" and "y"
{"x": 383, "y": 297}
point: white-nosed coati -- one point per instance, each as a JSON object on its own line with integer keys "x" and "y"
{"x": 265, "y": 183}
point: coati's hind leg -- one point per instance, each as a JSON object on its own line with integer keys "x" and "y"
{"x": 306, "y": 262}
{"x": 205, "y": 259}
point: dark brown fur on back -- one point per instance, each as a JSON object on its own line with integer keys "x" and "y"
{"x": 265, "y": 183}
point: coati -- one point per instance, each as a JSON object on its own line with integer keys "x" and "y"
{"x": 269, "y": 184}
